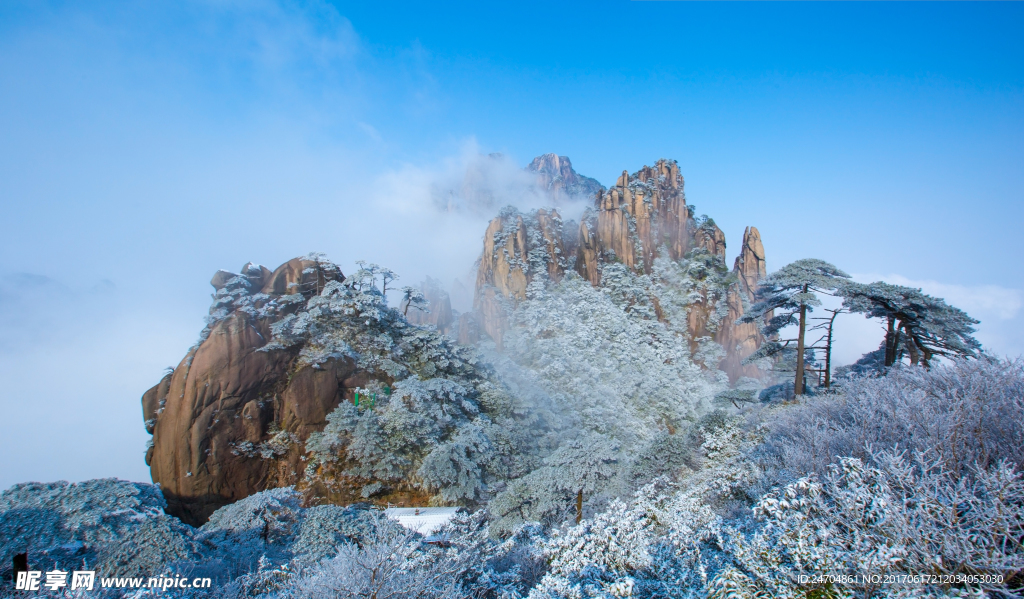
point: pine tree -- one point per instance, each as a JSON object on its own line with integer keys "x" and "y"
{"x": 926, "y": 326}
{"x": 792, "y": 291}
{"x": 412, "y": 298}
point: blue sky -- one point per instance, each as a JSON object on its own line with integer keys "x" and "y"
{"x": 146, "y": 146}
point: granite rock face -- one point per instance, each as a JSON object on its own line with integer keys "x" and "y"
{"x": 511, "y": 242}
{"x": 228, "y": 404}
{"x": 438, "y": 312}
{"x": 556, "y": 175}
{"x": 642, "y": 217}
{"x": 740, "y": 340}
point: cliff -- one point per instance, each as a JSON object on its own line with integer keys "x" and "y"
{"x": 643, "y": 217}
{"x": 227, "y": 401}
{"x": 740, "y": 340}
{"x": 556, "y": 175}
{"x": 306, "y": 378}
{"x": 438, "y": 311}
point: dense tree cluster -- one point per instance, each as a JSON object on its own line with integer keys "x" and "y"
{"x": 935, "y": 504}
{"x": 590, "y": 384}
{"x": 436, "y": 418}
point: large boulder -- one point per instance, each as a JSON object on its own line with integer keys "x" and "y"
{"x": 231, "y": 418}
{"x": 304, "y": 378}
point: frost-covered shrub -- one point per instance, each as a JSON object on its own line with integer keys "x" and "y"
{"x": 892, "y": 515}
{"x": 261, "y": 525}
{"x": 964, "y": 413}
{"x": 149, "y": 548}
{"x": 273, "y": 514}
{"x": 112, "y": 525}
{"x": 267, "y": 580}
{"x": 326, "y": 527}
{"x": 392, "y": 562}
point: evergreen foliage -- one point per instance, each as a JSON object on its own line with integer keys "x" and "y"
{"x": 926, "y": 326}
{"x": 905, "y": 471}
{"x": 784, "y": 293}
{"x": 915, "y": 472}
{"x": 783, "y": 299}
{"x": 111, "y": 525}
{"x": 447, "y": 425}
{"x": 619, "y": 379}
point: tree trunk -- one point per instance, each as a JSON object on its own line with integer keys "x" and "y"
{"x": 890, "y": 342}
{"x": 798, "y": 384}
{"x": 579, "y": 506}
{"x": 915, "y": 355}
{"x": 828, "y": 353}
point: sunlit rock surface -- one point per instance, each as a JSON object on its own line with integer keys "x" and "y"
{"x": 642, "y": 217}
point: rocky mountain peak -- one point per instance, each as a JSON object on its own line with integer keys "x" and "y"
{"x": 556, "y": 175}
{"x": 644, "y": 216}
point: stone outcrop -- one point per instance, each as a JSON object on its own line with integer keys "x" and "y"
{"x": 742, "y": 339}
{"x": 228, "y": 404}
{"x": 643, "y": 216}
{"x": 516, "y": 248}
{"x": 438, "y": 312}
{"x": 556, "y": 175}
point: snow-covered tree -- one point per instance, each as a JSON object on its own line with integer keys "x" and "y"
{"x": 691, "y": 288}
{"x": 785, "y": 297}
{"x": 927, "y": 326}
{"x": 412, "y": 298}
{"x": 616, "y": 372}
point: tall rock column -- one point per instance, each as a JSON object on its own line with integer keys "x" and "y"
{"x": 743, "y": 339}
{"x": 613, "y": 226}
{"x": 668, "y": 206}
{"x": 438, "y": 311}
